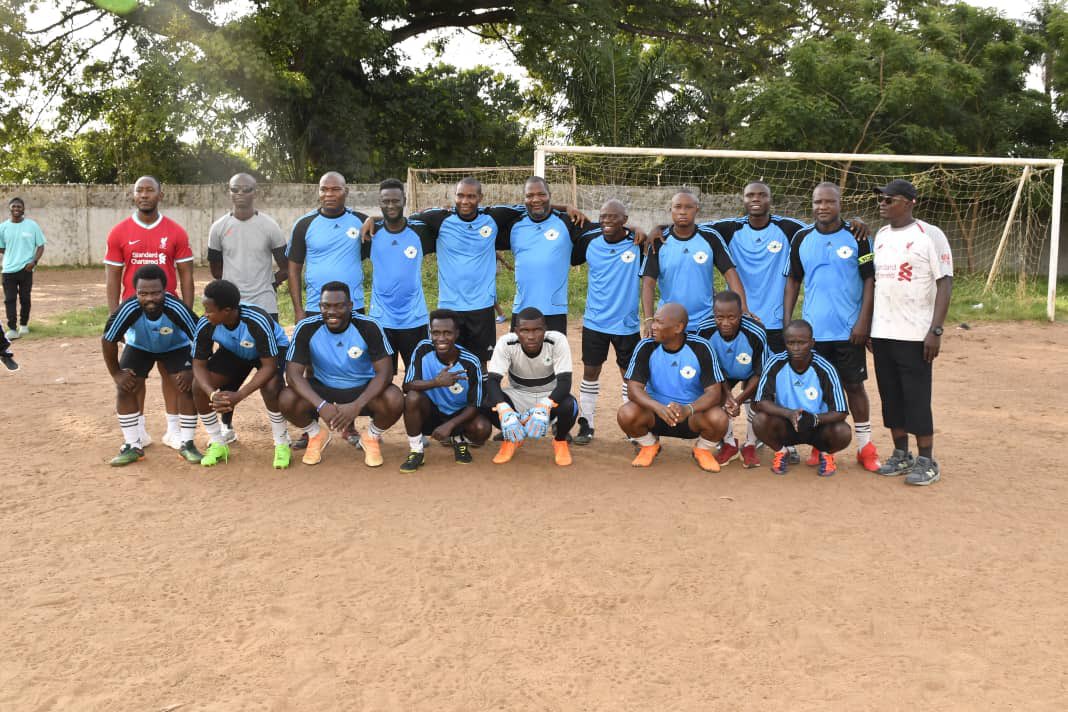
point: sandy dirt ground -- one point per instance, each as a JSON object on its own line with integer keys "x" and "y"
{"x": 165, "y": 586}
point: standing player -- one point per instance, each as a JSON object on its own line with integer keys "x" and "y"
{"x": 247, "y": 338}
{"x": 21, "y": 246}
{"x": 741, "y": 349}
{"x": 611, "y": 316}
{"x": 157, "y": 329}
{"x": 397, "y": 249}
{"x": 800, "y": 400}
{"x": 241, "y": 246}
{"x": 339, "y": 365}
{"x": 442, "y": 394}
{"x": 838, "y": 277}
{"x": 913, "y": 285}
{"x": 149, "y": 238}
{"x": 537, "y": 362}
{"x": 325, "y": 246}
{"x": 675, "y": 391}
{"x": 683, "y": 264}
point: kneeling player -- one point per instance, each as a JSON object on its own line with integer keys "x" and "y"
{"x": 800, "y": 400}
{"x": 248, "y": 338}
{"x": 157, "y": 328}
{"x": 674, "y": 386}
{"x": 741, "y": 348}
{"x": 340, "y": 365}
{"x": 538, "y": 365}
{"x": 442, "y": 393}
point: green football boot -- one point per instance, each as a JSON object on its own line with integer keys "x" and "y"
{"x": 129, "y": 454}
{"x": 189, "y": 452}
{"x": 216, "y": 452}
{"x": 282, "y": 455}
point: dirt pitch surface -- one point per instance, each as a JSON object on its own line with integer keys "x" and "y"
{"x": 164, "y": 586}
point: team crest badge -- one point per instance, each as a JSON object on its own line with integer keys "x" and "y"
{"x": 700, "y": 257}
{"x": 165, "y": 331}
{"x": 551, "y": 235}
{"x": 163, "y": 243}
{"x": 687, "y": 372}
{"x": 774, "y": 246}
{"x": 485, "y": 230}
{"x": 456, "y": 388}
{"x": 547, "y": 360}
{"x": 845, "y": 252}
{"x": 744, "y": 358}
{"x": 812, "y": 393}
{"x": 410, "y": 252}
{"x": 353, "y": 233}
{"x": 355, "y": 352}
{"x": 628, "y": 257}
{"x": 246, "y": 344}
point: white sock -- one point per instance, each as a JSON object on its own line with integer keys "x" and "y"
{"x": 703, "y": 444}
{"x": 415, "y": 443}
{"x": 131, "y": 428}
{"x": 312, "y": 429}
{"x": 187, "y": 426}
{"x": 374, "y": 431}
{"x": 141, "y": 423}
{"x": 750, "y": 434}
{"x": 626, "y": 395}
{"x": 278, "y": 428}
{"x": 174, "y": 423}
{"x": 211, "y": 424}
{"x": 588, "y": 392}
{"x": 862, "y": 432}
{"x": 646, "y": 440}
{"x": 728, "y": 437}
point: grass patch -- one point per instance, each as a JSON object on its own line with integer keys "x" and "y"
{"x": 1009, "y": 300}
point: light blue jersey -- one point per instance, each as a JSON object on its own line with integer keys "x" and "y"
{"x": 342, "y": 359}
{"x": 612, "y": 291}
{"x": 832, "y": 268}
{"x": 742, "y": 357}
{"x": 684, "y": 270}
{"x": 817, "y": 389}
{"x": 172, "y": 329}
{"x": 397, "y": 300}
{"x": 19, "y": 241}
{"x": 674, "y": 376}
{"x": 255, "y": 336}
{"x": 467, "y": 257}
{"x": 465, "y": 392}
{"x": 542, "y": 251}
{"x": 330, "y": 250}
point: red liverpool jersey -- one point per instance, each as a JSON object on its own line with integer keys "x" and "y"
{"x": 131, "y": 244}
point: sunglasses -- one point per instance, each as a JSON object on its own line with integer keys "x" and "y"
{"x": 887, "y": 199}
{"x": 246, "y": 189}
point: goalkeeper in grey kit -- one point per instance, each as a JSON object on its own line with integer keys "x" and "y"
{"x": 538, "y": 365}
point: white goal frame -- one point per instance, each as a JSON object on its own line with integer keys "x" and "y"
{"x": 1057, "y": 164}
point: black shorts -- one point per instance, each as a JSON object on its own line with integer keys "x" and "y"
{"x": 681, "y": 431}
{"x": 553, "y": 322}
{"x": 849, "y": 360}
{"x": 237, "y": 369}
{"x": 336, "y": 395}
{"x": 904, "y": 380}
{"x": 478, "y": 332}
{"x": 595, "y": 347}
{"x": 403, "y": 342}
{"x": 775, "y": 343}
{"x": 816, "y": 437}
{"x": 141, "y": 362}
{"x": 435, "y": 417}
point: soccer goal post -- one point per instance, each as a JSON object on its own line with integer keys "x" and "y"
{"x": 1002, "y": 215}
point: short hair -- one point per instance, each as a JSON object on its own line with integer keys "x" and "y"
{"x": 391, "y": 183}
{"x": 800, "y": 324}
{"x": 445, "y": 314}
{"x": 687, "y": 191}
{"x": 154, "y": 179}
{"x": 828, "y": 184}
{"x": 150, "y": 272}
{"x": 529, "y": 314}
{"x": 336, "y": 286}
{"x": 224, "y": 293}
{"x": 471, "y": 180}
{"x": 537, "y": 179}
{"x": 727, "y": 297}
{"x": 757, "y": 182}
{"x": 18, "y": 200}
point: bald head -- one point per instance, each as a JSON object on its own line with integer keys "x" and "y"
{"x": 675, "y": 312}
{"x": 332, "y": 194}
{"x": 242, "y": 179}
{"x": 613, "y": 218}
{"x": 332, "y": 178}
{"x": 669, "y": 324}
{"x": 151, "y": 180}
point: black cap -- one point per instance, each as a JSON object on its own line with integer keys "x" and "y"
{"x": 898, "y": 186}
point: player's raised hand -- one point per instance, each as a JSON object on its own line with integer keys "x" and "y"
{"x": 446, "y": 378}
{"x": 126, "y": 380}
{"x": 860, "y": 229}
{"x": 577, "y": 216}
{"x": 367, "y": 231}
{"x": 511, "y": 427}
{"x": 537, "y": 419}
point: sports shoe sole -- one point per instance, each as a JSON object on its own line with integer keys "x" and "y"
{"x": 931, "y": 481}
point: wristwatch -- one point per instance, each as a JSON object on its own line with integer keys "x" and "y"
{"x": 936, "y": 330}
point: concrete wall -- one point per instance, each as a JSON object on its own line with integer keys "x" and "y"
{"x": 76, "y": 219}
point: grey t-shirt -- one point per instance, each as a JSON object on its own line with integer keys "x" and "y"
{"x": 247, "y": 260}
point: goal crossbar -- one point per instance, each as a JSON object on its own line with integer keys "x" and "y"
{"x": 1056, "y": 164}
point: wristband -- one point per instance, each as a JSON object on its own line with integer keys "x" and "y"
{"x": 692, "y": 411}
{"x": 816, "y": 416}
{"x": 320, "y": 406}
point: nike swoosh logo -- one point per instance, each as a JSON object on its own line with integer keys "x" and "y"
{"x": 133, "y": 242}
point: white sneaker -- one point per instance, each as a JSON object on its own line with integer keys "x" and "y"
{"x": 173, "y": 440}
{"x": 229, "y": 435}
{"x": 23, "y": 330}
{"x": 11, "y": 334}
{"x": 146, "y": 439}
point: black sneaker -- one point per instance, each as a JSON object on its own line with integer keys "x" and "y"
{"x": 413, "y": 463}
{"x": 300, "y": 443}
{"x": 9, "y": 362}
{"x": 461, "y": 452}
{"x": 925, "y": 471}
{"x": 585, "y": 432}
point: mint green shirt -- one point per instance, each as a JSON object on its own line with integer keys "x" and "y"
{"x": 19, "y": 241}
